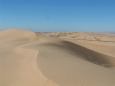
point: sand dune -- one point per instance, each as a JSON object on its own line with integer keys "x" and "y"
{"x": 30, "y": 60}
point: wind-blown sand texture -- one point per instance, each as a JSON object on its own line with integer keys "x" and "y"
{"x": 37, "y": 59}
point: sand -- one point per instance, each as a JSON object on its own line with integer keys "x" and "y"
{"x": 28, "y": 59}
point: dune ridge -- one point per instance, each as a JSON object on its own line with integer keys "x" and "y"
{"x": 30, "y": 60}
{"x": 85, "y": 53}
{"x": 73, "y": 71}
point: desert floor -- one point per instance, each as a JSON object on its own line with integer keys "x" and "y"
{"x": 56, "y": 59}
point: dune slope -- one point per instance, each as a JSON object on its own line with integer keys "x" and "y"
{"x": 71, "y": 67}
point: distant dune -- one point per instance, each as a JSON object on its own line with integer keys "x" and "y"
{"x": 56, "y": 59}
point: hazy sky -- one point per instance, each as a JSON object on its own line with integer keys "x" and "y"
{"x": 58, "y": 15}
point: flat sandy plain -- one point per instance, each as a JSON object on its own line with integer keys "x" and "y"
{"x": 56, "y": 59}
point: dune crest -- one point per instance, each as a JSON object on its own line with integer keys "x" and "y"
{"x": 17, "y": 34}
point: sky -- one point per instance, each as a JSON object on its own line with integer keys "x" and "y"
{"x": 58, "y": 15}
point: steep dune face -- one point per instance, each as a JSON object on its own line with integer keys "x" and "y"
{"x": 28, "y": 60}
{"x": 85, "y": 53}
{"x": 71, "y": 65}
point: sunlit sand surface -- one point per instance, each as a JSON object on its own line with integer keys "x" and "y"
{"x": 56, "y": 59}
